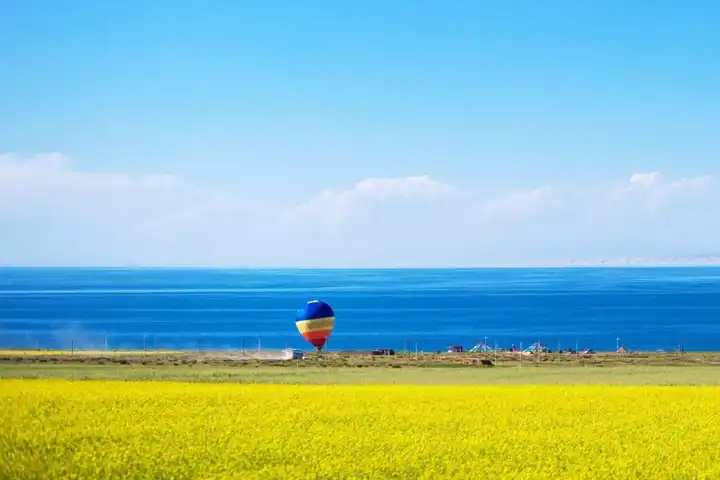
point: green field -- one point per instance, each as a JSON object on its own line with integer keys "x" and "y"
{"x": 550, "y": 375}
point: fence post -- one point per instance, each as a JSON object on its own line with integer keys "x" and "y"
{"x": 577, "y": 352}
{"x": 522, "y": 354}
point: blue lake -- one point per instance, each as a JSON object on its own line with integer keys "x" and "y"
{"x": 428, "y": 309}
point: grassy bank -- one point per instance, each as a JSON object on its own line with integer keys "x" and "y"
{"x": 357, "y": 358}
{"x": 548, "y": 375}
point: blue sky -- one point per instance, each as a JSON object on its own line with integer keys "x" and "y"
{"x": 251, "y": 110}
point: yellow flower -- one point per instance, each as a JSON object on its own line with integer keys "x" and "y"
{"x": 55, "y": 429}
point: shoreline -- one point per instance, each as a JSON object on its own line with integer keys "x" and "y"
{"x": 357, "y": 359}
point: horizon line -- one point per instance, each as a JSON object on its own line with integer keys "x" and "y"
{"x": 448, "y": 267}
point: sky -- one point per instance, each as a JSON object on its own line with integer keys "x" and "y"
{"x": 357, "y": 133}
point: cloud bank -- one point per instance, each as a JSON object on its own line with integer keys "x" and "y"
{"x": 53, "y": 214}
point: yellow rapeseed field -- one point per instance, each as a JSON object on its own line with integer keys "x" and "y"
{"x": 53, "y": 429}
{"x": 80, "y": 353}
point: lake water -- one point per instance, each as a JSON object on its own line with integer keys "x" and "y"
{"x": 428, "y": 309}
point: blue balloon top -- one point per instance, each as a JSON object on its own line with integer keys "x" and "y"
{"x": 313, "y": 310}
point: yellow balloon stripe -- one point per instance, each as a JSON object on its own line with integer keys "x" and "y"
{"x": 314, "y": 325}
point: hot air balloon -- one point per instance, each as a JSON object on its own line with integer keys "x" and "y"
{"x": 315, "y": 322}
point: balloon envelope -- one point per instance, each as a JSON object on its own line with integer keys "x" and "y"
{"x": 315, "y": 322}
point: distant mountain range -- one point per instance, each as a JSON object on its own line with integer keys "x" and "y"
{"x": 700, "y": 260}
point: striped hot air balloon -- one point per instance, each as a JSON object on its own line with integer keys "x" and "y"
{"x": 315, "y": 322}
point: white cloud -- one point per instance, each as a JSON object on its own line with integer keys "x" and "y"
{"x": 352, "y": 208}
{"x": 650, "y": 195}
{"x": 646, "y": 179}
{"x": 653, "y": 185}
{"x": 43, "y": 176}
{"x": 520, "y": 203}
{"x": 51, "y": 213}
